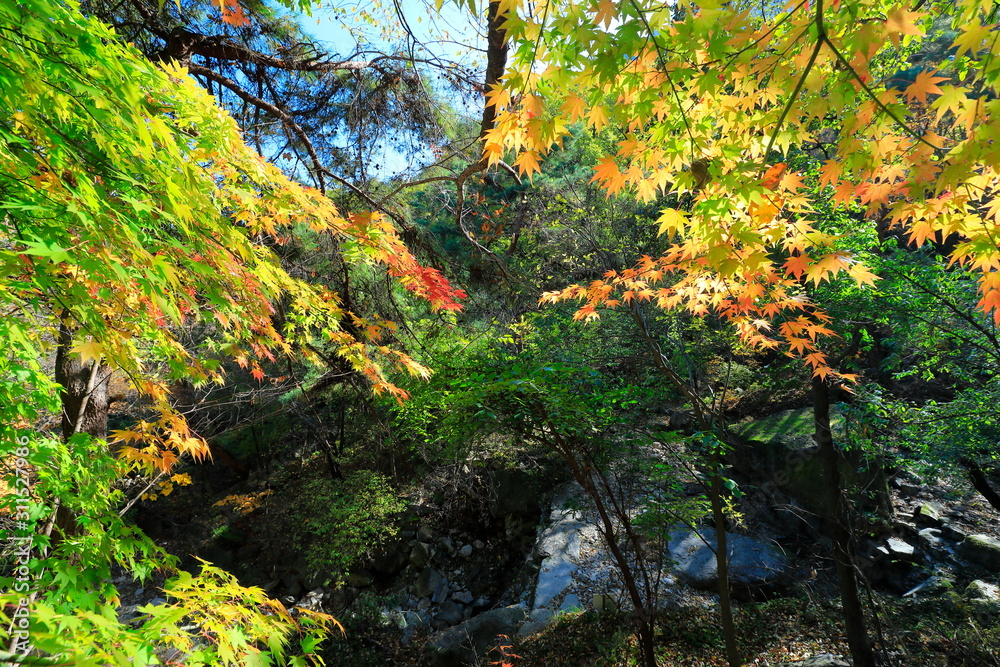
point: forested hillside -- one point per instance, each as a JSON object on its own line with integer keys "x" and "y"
{"x": 507, "y": 332}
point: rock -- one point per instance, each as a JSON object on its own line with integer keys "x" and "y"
{"x": 462, "y": 597}
{"x": 982, "y": 600}
{"x": 292, "y": 584}
{"x": 930, "y": 538}
{"x": 896, "y": 549}
{"x": 478, "y": 544}
{"x": 441, "y": 592}
{"x": 570, "y": 603}
{"x": 427, "y": 582}
{"x": 951, "y": 532}
{"x": 927, "y": 514}
{"x": 935, "y": 585}
{"x": 982, "y": 550}
{"x": 420, "y": 554}
{"x": 465, "y": 551}
{"x": 424, "y": 534}
{"x": 560, "y": 544}
{"x": 451, "y": 613}
{"x": 464, "y": 644}
{"x": 390, "y": 561}
{"x": 358, "y": 579}
{"x": 447, "y": 544}
{"x": 779, "y": 454}
{"x": 821, "y": 660}
{"x": 753, "y": 566}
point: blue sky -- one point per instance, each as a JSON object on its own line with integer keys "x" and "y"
{"x": 362, "y": 28}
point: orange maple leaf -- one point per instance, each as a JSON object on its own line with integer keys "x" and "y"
{"x": 233, "y": 14}
{"x": 925, "y": 84}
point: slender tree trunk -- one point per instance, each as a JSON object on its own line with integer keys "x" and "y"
{"x": 722, "y": 564}
{"x": 84, "y": 408}
{"x": 854, "y": 619}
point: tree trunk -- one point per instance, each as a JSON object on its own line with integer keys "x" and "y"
{"x": 722, "y": 565}
{"x": 981, "y": 483}
{"x": 854, "y": 618}
{"x": 84, "y": 407}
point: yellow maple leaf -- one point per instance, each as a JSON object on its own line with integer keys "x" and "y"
{"x": 671, "y": 221}
{"x": 89, "y": 351}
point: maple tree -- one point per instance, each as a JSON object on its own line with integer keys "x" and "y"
{"x": 131, "y": 207}
{"x": 714, "y": 100}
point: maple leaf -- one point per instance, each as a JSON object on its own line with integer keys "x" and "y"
{"x": 901, "y": 22}
{"x": 606, "y": 11}
{"x": 257, "y": 373}
{"x": 796, "y": 265}
{"x": 89, "y": 351}
{"x": 233, "y": 14}
{"x": 527, "y": 163}
{"x": 925, "y": 84}
{"x": 862, "y": 275}
{"x": 671, "y": 221}
{"x": 609, "y": 175}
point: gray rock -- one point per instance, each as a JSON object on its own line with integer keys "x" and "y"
{"x": 951, "y": 532}
{"x": 420, "y": 554}
{"x": 465, "y": 551}
{"x": 982, "y": 550}
{"x": 478, "y": 544}
{"x": 427, "y": 582}
{"x": 462, "y": 597}
{"x": 390, "y": 561}
{"x": 935, "y": 585}
{"x": 571, "y": 602}
{"x": 896, "y": 549}
{"x": 465, "y": 643}
{"x": 424, "y": 534}
{"x": 821, "y": 660}
{"x": 753, "y": 566}
{"x": 927, "y": 514}
{"x": 930, "y": 538}
{"x": 451, "y": 613}
{"x": 982, "y": 599}
{"x": 441, "y": 592}
{"x": 447, "y": 545}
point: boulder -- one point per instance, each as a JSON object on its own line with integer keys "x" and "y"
{"x": 754, "y": 566}
{"x": 952, "y": 532}
{"x": 465, "y": 644}
{"x": 358, "y": 579}
{"x": 420, "y": 554}
{"x": 928, "y": 514}
{"x": 896, "y": 550}
{"x": 450, "y": 614}
{"x": 982, "y": 550}
{"x": 427, "y": 582}
{"x": 982, "y": 600}
{"x": 930, "y": 539}
{"x": 778, "y": 453}
{"x": 821, "y": 660}
{"x": 389, "y": 561}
